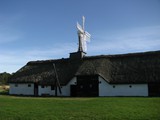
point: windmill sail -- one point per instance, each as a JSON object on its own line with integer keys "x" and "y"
{"x": 88, "y": 36}
{"x": 79, "y": 28}
{"x": 83, "y": 20}
{"x": 84, "y": 36}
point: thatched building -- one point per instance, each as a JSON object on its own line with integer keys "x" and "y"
{"x": 136, "y": 74}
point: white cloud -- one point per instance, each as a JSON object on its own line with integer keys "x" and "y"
{"x": 132, "y": 40}
{"x": 58, "y": 50}
{"x": 11, "y": 61}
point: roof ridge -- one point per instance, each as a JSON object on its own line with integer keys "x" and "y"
{"x": 123, "y": 55}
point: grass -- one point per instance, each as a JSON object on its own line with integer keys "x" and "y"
{"x": 107, "y": 108}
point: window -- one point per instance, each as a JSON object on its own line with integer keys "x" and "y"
{"x": 16, "y": 85}
{"x": 29, "y": 85}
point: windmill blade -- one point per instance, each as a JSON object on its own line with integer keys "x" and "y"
{"x": 87, "y": 34}
{"x": 83, "y": 20}
{"x": 84, "y": 36}
{"x": 84, "y": 45}
{"x": 79, "y": 27}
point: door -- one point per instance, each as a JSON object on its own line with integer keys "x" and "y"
{"x": 87, "y": 86}
{"x": 154, "y": 89}
{"x": 73, "y": 90}
{"x": 35, "y": 89}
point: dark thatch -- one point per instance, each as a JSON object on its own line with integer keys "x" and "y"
{"x": 115, "y": 69}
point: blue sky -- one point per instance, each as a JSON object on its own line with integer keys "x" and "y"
{"x": 46, "y": 29}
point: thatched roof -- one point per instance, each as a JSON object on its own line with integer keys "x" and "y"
{"x": 118, "y": 69}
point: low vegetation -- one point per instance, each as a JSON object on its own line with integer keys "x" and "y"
{"x": 4, "y": 78}
{"x": 4, "y": 89}
{"x": 112, "y": 108}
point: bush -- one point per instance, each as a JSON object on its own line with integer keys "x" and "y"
{"x": 4, "y": 78}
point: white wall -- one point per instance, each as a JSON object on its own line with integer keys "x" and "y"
{"x": 46, "y": 90}
{"x": 65, "y": 89}
{"x": 106, "y": 89}
{"x": 21, "y": 89}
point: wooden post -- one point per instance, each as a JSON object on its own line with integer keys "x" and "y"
{"x": 57, "y": 84}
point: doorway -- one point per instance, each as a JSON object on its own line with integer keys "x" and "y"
{"x": 87, "y": 86}
{"x": 154, "y": 89}
{"x": 73, "y": 89}
{"x": 35, "y": 89}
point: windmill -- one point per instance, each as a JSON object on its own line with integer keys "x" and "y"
{"x": 83, "y": 36}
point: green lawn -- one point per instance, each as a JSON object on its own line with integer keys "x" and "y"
{"x": 107, "y": 108}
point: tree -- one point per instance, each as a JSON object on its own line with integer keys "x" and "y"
{"x": 4, "y": 78}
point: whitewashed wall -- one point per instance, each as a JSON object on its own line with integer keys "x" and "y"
{"x": 45, "y": 91}
{"x": 65, "y": 89}
{"x": 21, "y": 89}
{"x": 106, "y": 89}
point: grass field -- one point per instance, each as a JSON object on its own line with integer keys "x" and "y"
{"x": 111, "y": 108}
